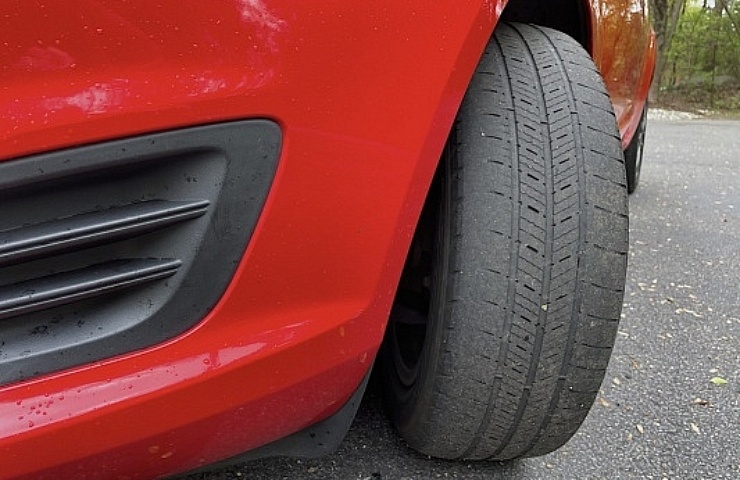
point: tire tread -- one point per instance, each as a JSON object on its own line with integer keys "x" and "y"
{"x": 529, "y": 331}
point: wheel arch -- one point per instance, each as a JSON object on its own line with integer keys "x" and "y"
{"x": 599, "y": 29}
{"x": 571, "y": 17}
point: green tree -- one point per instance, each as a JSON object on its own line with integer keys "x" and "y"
{"x": 701, "y": 65}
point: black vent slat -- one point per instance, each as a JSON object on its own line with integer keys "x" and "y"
{"x": 68, "y": 287}
{"x": 115, "y": 246}
{"x": 83, "y": 230}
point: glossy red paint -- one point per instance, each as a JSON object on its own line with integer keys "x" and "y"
{"x": 365, "y": 94}
{"x": 623, "y": 47}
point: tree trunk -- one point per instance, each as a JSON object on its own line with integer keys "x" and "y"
{"x": 719, "y": 7}
{"x": 666, "y": 14}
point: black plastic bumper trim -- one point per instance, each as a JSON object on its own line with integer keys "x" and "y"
{"x": 113, "y": 247}
{"x": 318, "y": 440}
{"x": 68, "y": 287}
{"x": 79, "y": 231}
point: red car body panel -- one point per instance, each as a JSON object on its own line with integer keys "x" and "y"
{"x": 365, "y": 94}
{"x": 623, "y": 47}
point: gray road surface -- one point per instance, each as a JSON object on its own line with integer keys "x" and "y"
{"x": 658, "y": 415}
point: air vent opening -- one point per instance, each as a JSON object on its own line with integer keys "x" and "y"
{"x": 103, "y": 248}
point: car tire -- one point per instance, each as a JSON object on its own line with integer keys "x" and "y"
{"x": 633, "y": 153}
{"x": 509, "y": 302}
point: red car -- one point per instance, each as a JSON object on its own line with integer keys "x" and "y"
{"x": 216, "y": 217}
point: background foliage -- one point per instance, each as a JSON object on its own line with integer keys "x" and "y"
{"x": 699, "y": 54}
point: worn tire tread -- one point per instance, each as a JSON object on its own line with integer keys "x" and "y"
{"x": 537, "y": 256}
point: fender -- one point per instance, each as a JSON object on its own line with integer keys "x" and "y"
{"x": 626, "y": 57}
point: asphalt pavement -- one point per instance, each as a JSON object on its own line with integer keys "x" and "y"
{"x": 669, "y": 406}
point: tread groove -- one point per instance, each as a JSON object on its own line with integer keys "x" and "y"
{"x": 532, "y": 291}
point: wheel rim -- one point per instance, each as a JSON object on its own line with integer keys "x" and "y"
{"x": 419, "y": 293}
